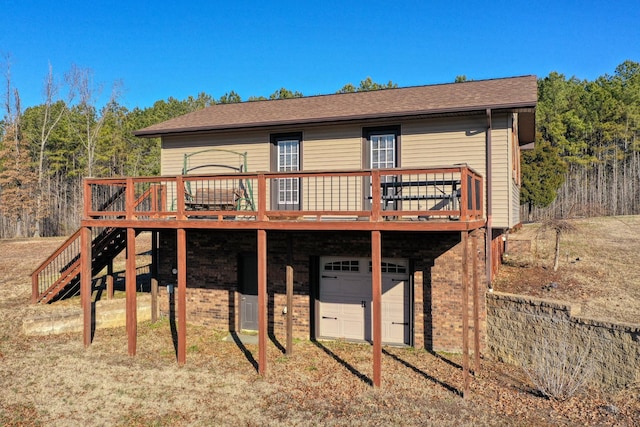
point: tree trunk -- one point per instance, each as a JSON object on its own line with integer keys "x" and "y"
{"x": 556, "y": 260}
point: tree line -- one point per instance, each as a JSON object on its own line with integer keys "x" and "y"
{"x": 586, "y": 159}
{"x": 46, "y": 150}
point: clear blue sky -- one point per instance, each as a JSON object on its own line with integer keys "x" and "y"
{"x": 165, "y": 48}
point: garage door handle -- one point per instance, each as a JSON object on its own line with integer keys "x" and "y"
{"x": 329, "y": 277}
{"x": 400, "y": 323}
{"x": 327, "y": 317}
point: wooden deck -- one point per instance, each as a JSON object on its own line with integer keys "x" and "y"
{"x": 430, "y": 199}
{"x": 421, "y": 200}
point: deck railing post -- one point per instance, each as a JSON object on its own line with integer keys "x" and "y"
{"x": 180, "y": 190}
{"x": 86, "y": 199}
{"x": 480, "y": 196}
{"x": 262, "y": 197}
{"x": 376, "y": 196}
{"x": 464, "y": 194}
{"x": 130, "y": 198}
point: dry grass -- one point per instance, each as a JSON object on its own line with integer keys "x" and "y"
{"x": 598, "y": 267}
{"x": 56, "y": 381}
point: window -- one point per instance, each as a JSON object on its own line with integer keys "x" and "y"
{"x": 347, "y": 265}
{"x": 286, "y": 158}
{"x": 390, "y": 267}
{"x": 381, "y": 151}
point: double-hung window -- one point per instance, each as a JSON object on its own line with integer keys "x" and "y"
{"x": 381, "y": 148}
{"x": 286, "y": 153}
{"x": 383, "y": 151}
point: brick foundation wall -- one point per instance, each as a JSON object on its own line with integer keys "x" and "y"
{"x": 446, "y": 297}
{"x": 519, "y": 328}
{"x": 212, "y": 278}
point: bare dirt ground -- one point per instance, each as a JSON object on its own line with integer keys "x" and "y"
{"x": 56, "y": 381}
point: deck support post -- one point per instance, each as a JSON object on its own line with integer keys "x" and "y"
{"x": 109, "y": 279}
{"x": 85, "y": 284}
{"x": 154, "y": 276}
{"x": 464, "y": 237}
{"x": 476, "y": 305}
{"x": 376, "y": 287}
{"x": 130, "y": 290}
{"x": 182, "y": 296}
{"x": 289, "y": 285}
{"x": 262, "y": 302}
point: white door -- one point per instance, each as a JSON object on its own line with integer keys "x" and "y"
{"x": 345, "y": 300}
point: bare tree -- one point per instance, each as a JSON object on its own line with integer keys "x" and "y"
{"x": 92, "y": 119}
{"x": 560, "y": 227}
{"x": 50, "y": 120}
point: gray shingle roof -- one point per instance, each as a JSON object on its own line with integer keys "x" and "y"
{"x": 506, "y": 93}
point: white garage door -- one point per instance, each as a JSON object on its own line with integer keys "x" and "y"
{"x": 346, "y": 299}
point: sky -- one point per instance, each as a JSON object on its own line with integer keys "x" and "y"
{"x": 161, "y": 49}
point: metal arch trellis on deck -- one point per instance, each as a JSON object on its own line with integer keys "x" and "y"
{"x": 243, "y": 195}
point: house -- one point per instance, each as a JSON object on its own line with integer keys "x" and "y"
{"x": 370, "y": 216}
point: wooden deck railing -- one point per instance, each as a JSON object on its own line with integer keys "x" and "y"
{"x": 447, "y": 193}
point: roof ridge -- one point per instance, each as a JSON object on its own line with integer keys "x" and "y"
{"x": 321, "y": 95}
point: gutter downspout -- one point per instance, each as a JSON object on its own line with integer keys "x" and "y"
{"x": 489, "y": 236}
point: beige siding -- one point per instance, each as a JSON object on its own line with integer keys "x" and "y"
{"x": 255, "y": 144}
{"x": 424, "y": 143}
{"x": 332, "y": 148}
{"x": 515, "y": 205}
{"x": 500, "y": 171}
{"x": 444, "y": 142}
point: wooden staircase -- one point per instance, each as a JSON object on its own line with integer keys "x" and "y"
{"x": 59, "y": 275}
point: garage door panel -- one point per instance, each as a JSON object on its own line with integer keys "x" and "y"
{"x": 342, "y": 293}
{"x": 393, "y": 287}
{"x": 343, "y": 320}
{"x": 344, "y": 287}
{"x": 353, "y": 327}
{"x": 330, "y": 326}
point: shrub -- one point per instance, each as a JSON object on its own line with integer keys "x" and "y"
{"x": 558, "y": 369}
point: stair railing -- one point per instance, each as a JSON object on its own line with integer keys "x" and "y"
{"x": 63, "y": 265}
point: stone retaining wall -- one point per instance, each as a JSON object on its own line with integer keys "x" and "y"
{"x": 520, "y": 329}
{"x": 108, "y": 314}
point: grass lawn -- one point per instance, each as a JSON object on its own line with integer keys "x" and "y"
{"x": 56, "y": 381}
